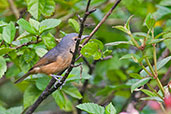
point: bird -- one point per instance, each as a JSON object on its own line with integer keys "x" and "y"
{"x": 55, "y": 60}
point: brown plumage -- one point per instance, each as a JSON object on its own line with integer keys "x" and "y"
{"x": 55, "y": 60}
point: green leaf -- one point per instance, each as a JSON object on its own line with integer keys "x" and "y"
{"x": 117, "y": 43}
{"x": 30, "y": 95}
{"x": 34, "y": 23}
{"x": 74, "y": 24}
{"x": 26, "y": 26}
{"x": 149, "y": 21}
{"x": 49, "y": 41}
{"x": 38, "y": 7}
{"x": 42, "y": 82}
{"x": 152, "y": 98}
{"x": 107, "y": 53}
{"x": 127, "y": 23}
{"x": 2, "y": 24}
{"x": 75, "y": 74}
{"x": 93, "y": 49}
{"x": 14, "y": 110}
{"x": 167, "y": 43}
{"x": 156, "y": 41}
{"x": 91, "y": 108}
{"x": 121, "y": 28}
{"x": 131, "y": 56}
{"x": 72, "y": 91}
{"x": 48, "y": 24}
{"x": 5, "y": 50}
{"x": 62, "y": 101}
{"x": 3, "y": 66}
{"x": 149, "y": 93}
{"x": 140, "y": 83}
{"x": 41, "y": 52}
{"x": 25, "y": 34}
{"x": 110, "y": 109}
{"x": 8, "y": 33}
{"x": 135, "y": 75}
{"x": 160, "y": 64}
{"x": 161, "y": 12}
{"x": 165, "y": 3}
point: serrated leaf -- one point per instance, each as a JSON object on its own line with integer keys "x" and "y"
{"x": 121, "y": 28}
{"x": 75, "y": 74}
{"x": 48, "y": 24}
{"x": 110, "y": 109}
{"x": 49, "y": 41}
{"x": 117, "y": 43}
{"x": 38, "y": 7}
{"x": 8, "y": 33}
{"x": 140, "y": 83}
{"x": 149, "y": 93}
{"x": 74, "y": 24}
{"x": 128, "y": 21}
{"x": 149, "y": 21}
{"x": 5, "y": 50}
{"x": 41, "y": 52}
{"x": 42, "y": 82}
{"x": 26, "y": 26}
{"x": 72, "y": 91}
{"x": 62, "y": 101}
{"x": 30, "y": 95}
{"x": 34, "y": 23}
{"x": 91, "y": 108}
{"x": 93, "y": 49}
{"x": 3, "y": 66}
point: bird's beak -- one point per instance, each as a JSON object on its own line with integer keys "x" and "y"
{"x": 84, "y": 36}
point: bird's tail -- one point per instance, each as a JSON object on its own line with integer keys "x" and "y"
{"x": 23, "y": 77}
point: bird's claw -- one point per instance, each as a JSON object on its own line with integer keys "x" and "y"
{"x": 58, "y": 80}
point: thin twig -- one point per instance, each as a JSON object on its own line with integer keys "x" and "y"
{"x": 28, "y": 43}
{"x": 102, "y": 21}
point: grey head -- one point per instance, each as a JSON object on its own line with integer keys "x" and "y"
{"x": 69, "y": 40}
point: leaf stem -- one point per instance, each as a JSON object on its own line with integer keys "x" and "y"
{"x": 133, "y": 40}
{"x": 154, "y": 54}
{"x": 149, "y": 86}
{"x": 154, "y": 75}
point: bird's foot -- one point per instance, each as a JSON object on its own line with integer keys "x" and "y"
{"x": 58, "y": 80}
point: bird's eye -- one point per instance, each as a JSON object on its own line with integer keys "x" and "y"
{"x": 75, "y": 39}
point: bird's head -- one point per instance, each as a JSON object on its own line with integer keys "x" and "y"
{"x": 70, "y": 40}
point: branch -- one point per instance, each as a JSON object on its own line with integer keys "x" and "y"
{"x": 49, "y": 89}
{"x": 102, "y": 21}
{"x": 28, "y": 43}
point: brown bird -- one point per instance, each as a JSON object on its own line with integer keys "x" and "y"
{"x": 57, "y": 59}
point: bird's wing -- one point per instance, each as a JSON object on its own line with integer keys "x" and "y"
{"x": 48, "y": 58}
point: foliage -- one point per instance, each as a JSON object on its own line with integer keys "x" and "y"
{"x": 136, "y": 34}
